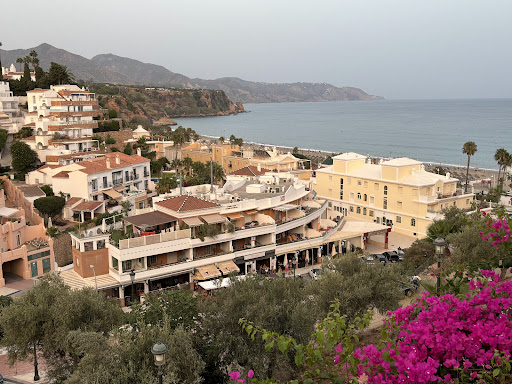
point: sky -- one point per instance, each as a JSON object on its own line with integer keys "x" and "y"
{"x": 399, "y": 49}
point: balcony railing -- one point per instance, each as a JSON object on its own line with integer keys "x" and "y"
{"x": 117, "y": 182}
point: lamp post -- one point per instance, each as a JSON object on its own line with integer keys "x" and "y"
{"x": 132, "y": 278}
{"x": 294, "y": 263}
{"x": 159, "y": 350}
{"x": 95, "y": 282}
{"x": 440, "y": 245}
{"x": 36, "y": 371}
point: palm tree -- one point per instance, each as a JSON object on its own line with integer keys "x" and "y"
{"x": 187, "y": 163}
{"x": 469, "y": 149}
{"x": 501, "y": 157}
{"x": 19, "y": 60}
{"x": 222, "y": 139}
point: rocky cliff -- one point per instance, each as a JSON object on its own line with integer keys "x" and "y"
{"x": 140, "y": 105}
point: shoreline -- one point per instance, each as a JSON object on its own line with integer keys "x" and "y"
{"x": 309, "y": 152}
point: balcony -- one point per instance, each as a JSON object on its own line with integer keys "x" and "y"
{"x": 117, "y": 182}
{"x": 310, "y": 215}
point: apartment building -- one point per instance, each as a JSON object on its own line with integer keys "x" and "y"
{"x": 112, "y": 176}
{"x": 398, "y": 192}
{"x": 246, "y": 226}
{"x": 25, "y": 250}
{"x": 11, "y": 118}
{"x": 62, "y": 119}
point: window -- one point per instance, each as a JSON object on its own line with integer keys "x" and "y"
{"x": 351, "y": 209}
{"x": 126, "y": 175}
{"x": 399, "y": 204}
{"x": 151, "y": 260}
{"x": 377, "y": 186}
{"x": 366, "y": 184}
{"x": 359, "y": 210}
{"x": 358, "y": 182}
{"x": 358, "y": 196}
{"x": 95, "y": 197}
{"x": 38, "y": 255}
{"x": 18, "y": 239}
{"x": 372, "y": 199}
{"x": 127, "y": 265}
{"x": 413, "y": 222}
{"x": 341, "y": 189}
{"x": 385, "y": 190}
{"x": 115, "y": 263}
{"x": 364, "y": 211}
{"x": 105, "y": 184}
{"x": 398, "y": 219}
{"x": 145, "y": 184}
{"x": 371, "y": 213}
{"x": 365, "y": 197}
{"x": 385, "y": 203}
{"x": 467, "y": 201}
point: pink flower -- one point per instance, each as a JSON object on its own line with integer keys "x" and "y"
{"x": 250, "y": 374}
{"x": 337, "y": 360}
{"x": 234, "y": 375}
{"x": 338, "y": 349}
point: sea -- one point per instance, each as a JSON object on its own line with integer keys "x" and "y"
{"x": 431, "y": 131}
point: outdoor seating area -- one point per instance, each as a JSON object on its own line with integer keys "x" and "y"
{"x": 37, "y": 243}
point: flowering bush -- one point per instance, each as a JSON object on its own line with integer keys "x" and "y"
{"x": 436, "y": 339}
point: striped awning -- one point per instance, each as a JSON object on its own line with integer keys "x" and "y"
{"x": 235, "y": 216}
{"x": 192, "y": 221}
{"x": 226, "y": 267}
{"x": 207, "y": 272}
{"x": 112, "y": 193}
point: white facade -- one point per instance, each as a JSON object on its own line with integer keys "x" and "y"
{"x": 9, "y": 106}
{"x": 89, "y": 179}
{"x": 62, "y": 119}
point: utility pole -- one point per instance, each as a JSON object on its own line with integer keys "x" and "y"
{"x": 211, "y": 174}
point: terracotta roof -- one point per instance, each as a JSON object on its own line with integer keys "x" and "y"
{"x": 99, "y": 164}
{"x": 186, "y": 203}
{"x": 88, "y": 206}
{"x": 30, "y": 138}
{"x": 31, "y": 190}
{"x": 72, "y": 201}
{"x": 51, "y": 166}
{"x": 250, "y": 170}
{"x": 62, "y": 174}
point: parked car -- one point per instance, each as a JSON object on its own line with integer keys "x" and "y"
{"x": 380, "y": 257}
{"x": 368, "y": 259}
{"x": 392, "y": 256}
{"x": 314, "y": 273}
{"x": 1, "y": 379}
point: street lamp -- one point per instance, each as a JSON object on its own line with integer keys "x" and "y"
{"x": 132, "y": 278}
{"x": 440, "y": 245}
{"x": 36, "y": 371}
{"x": 95, "y": 282}
{"x": 294, "y": 263}
{"x": 159, "y": 350}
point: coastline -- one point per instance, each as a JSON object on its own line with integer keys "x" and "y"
{"x": 318, "y": 156}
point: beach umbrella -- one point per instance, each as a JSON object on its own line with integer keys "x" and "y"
{"x": 307, "y": 256}
{"x": 103, "y": 225}
{"x": 285, "y": 261}
{"x": 50, "y": 222}
{"x": 333, "y": 250}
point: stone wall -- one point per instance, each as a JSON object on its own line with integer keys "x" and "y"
{"x": 62, "y": 249}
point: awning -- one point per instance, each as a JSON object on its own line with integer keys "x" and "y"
{"x": 6, "y": 212}
{"x": 252, "y": 212}
{"x": 206, "y": 272}
{"x": 113, "y": 194}
{"x": 226, "y": 267}
{"x": 311, "y": 204}
{"x": 214, "y": 219}
{"x": 121, "y": 188}
{"x": 235, "y": 216}
{"x": 286, "y": 207}
{"x": 150, "y": 219}
{"x": 192, "y": 221}
{"x": 220, "y": 283}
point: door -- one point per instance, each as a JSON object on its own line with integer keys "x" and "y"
{"x": 33, "y": 268}
{"x": 46, "y": 265}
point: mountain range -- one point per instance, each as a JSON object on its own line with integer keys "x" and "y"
{"x": 109, "y": 68}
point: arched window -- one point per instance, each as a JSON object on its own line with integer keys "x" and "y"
{"x": 365, "y": 197}
{"x": 385, "y": 190}
{"x": 358, "y": 196}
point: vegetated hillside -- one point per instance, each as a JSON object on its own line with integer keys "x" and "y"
{"x": 109, "y": 68}
{"x": 139, "y": 105}
{"x": 81, "y": 67}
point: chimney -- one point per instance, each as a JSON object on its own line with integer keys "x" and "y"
{"x": 139, "y": 153}
{"x": 259, "y": 167}
{"x": 118, "y": 159}
{"x": 108, "y": 163}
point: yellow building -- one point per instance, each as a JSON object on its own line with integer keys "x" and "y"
{"x": 397, "y": 192}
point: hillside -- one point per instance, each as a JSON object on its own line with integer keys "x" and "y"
{"x": 138, "y": 105}
{"x": 109, "y": 68}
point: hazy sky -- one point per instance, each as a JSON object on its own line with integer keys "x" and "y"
{"x": 400, "y": 49}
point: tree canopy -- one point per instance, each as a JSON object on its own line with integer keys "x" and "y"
{"x": 23, "y": 157}
{"x": 50, "y": 206}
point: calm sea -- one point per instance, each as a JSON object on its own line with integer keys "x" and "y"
{"x": 427, "y": 130}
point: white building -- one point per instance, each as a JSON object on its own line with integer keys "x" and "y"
{"x": 62, "y": 119}
{"x": 10, "y": 115}
{"x": 111, "y": 176}
{"x": 10, "y": 73}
